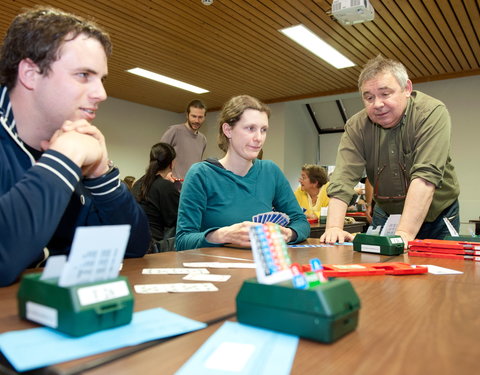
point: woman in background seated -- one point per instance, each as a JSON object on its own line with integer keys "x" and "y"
{"x": 129, "y": 181}
{"x": 220, "y": 197}
{"x": 159, "y": 197}
{"x": 312, "y": 192}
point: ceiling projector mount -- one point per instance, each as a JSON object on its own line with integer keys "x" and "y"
{"x": 350, "y": 12}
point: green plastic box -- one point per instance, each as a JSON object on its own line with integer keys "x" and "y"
{"x": 384, "y": 245}
{"x": 76, "y": 310}
{"x": 323, "y": 313}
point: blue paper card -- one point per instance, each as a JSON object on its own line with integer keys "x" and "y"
{"x": 240, "y": 349}
{"x": 38, "y": 347}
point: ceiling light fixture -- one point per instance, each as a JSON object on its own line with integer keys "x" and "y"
{"x": 168, "y": 81}
{"x": 314, "y": 44}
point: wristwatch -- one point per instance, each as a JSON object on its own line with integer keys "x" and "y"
{"x": 110, "y": 166}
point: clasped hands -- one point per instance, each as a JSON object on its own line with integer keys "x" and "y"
{"x": 82, "y": 143}
{"x": 238, "y": 234}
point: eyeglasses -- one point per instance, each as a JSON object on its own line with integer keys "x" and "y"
{"x": 376, "y": 184}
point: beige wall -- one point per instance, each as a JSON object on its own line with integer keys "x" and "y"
{"x": 462, "y": 97}
{"x": 131, "y": 130}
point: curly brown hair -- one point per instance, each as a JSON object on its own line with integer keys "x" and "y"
{"x": 316, "y": 174}
{"x": 38, "y": 34}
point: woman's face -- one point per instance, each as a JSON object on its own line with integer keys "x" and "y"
{"x": 248, "y": 135}
{"x": 305, "y": 182}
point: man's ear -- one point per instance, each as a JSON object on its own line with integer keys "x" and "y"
{"x": 408, "y": 88}
{"x": 27, "y": 73}
{"x": 227, "y": 130}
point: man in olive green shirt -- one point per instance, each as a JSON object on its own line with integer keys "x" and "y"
{"x": 402, "y": 140}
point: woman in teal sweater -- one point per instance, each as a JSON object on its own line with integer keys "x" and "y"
{"x": 220, "y": 197}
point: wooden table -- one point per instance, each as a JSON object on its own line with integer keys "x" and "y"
{"x": 425, "y": 324}
{"x": 317, "y": 229}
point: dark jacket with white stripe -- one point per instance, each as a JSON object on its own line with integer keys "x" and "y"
{"x": 42, "y": 203}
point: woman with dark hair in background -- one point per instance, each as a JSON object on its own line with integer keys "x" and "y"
{"x": 159, "y": 197}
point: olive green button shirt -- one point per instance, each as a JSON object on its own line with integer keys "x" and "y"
{"x": 418, "y": 147}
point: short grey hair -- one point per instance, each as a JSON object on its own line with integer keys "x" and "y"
{"x": 381, "y": 64}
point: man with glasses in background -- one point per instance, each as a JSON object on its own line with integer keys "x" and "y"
{"x": 402, "y": 140}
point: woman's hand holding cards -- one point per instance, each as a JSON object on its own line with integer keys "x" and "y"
{"x": 236, "y": 234}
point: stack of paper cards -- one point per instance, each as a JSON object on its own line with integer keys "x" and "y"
{"x": 96, "y": 255}
{"x": 279, "y": 218}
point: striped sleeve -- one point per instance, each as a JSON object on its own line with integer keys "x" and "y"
{"x": 60, "y": 166}
{"x": 103, "y": 185}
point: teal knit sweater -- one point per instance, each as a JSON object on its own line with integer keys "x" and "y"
{"x": 213, "y": 197}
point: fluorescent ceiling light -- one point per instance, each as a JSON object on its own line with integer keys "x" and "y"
{"x": 313, "y": 43}
{"x": 169, "y": 81}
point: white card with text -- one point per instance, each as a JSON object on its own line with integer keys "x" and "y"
{"x": 96, "y": 254}
{"x": 391, "y": 225}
